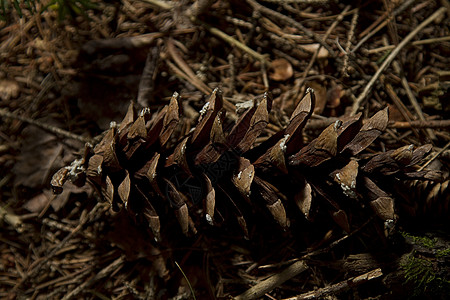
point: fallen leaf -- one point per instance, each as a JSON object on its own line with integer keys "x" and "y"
{"x": 9, "y": 89}
{"x": 312, "y": 48}
{"x": 282, "y": 69}
{"x": 320, "y": 93}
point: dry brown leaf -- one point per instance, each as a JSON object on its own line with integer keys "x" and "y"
{"x": 320, "y": 93}
{"x": 38, "y": 202}
{"x": 41, "y": 154}
{"x": 9, "y": 89}
{"x": 282, "y": 69}
{"x": 311, "y": 48}
{"x": 334, "y": 95}
{"x": 403, "y": 155}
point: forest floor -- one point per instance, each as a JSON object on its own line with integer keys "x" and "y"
{"x": 65, "y": 76}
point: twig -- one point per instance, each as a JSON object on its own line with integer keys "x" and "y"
{"x": 160, "y": 4}
{"x": 146, "y": 84}
{"x": 339, "y": 18}
{"x": 230, "y": 40}
{"x": 103, "y": 273}
{"x": 291, "y": 22}
{"x": 413, "y": 99}
{"x": 398, "y": 102}
{"x": 232, "y": 74}
{"x": 349, "y": 42}
{"x": 396, "y": 12}
{"x": 391, "y": 57}
{"x": 38, "y": 267}
{"x": 49, "y": 128}
{"x": 341, "y": 286}
{"x": 320, "y": 124}
{"x": 272, "y": 282}
{"x": 415, "y": 43}
{"x": 434, "y": 157}
{"x": 220, "y": 34}
{"x": 11, "y": 219}
{"x": 191, "y": 77}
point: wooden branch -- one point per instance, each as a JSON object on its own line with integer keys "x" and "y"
{"x": 341, "y": 286}
{"x": 46, "y": 127}
{"x": 287, "y": 20}
{"x": 274, "y": 281}
{"x": 319, "y": 124}
{"x": 390, "y": 58}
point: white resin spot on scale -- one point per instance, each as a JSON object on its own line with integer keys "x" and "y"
{"x": 204, "y": 108}
{"x": 209, "y": 219}
{"x": 283, "y": 142}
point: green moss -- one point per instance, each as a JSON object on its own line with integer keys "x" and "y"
{"x": 421, "y": 272}
{"x": 63, "y": 7}
{"x": 443, "y": 253}
{"x": 421, "y": 240}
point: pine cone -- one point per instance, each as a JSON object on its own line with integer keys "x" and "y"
{"x": 147, "y": 164}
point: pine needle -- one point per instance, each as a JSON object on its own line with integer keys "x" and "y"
{"x": 187, "y": 280}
